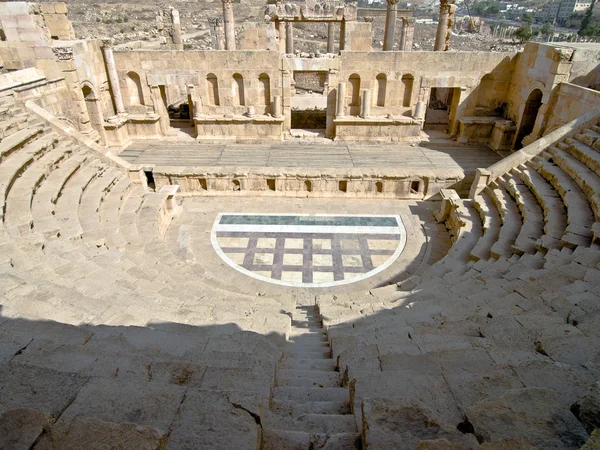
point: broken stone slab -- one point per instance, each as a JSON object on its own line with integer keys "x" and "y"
{"x": 46, "y": 390}
{"x": 73, "y": 433}
{"x": 587, "y": 409}
{"x": 118, "y": 401}
{"x": 537, "y": 415}
{"x": 210, "y": 420}
{"x": 593, "y": 443}
{"x": 20, "y": 428}
{"x": 389, "y": 421}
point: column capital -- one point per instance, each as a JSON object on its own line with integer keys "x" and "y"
{"x": 392, "y": 3}
{"x": 107, "y": 42}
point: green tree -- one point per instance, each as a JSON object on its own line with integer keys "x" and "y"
{"x": 524, "y": 33}
{"x": 493, "y": 9}
{"x": 587, "y": 19}
{"x": 546, "y": 29}
{"x": 527, "y": 18}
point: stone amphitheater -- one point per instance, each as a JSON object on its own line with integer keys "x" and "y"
{"x": 250, "y": 248}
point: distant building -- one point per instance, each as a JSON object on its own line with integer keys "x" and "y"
{"x": 560, "y": 11}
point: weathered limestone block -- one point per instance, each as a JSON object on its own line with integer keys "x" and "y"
{"x": 593, "y": 443}
{"x": 508, "y": 444}
{"x": 537, "y": 415}
{"x": 23, "y": 386}
{"x": 210, "y": 420}
{"x": 20, "y": 428}
{"x": 587, "y": 409}
{"x": 117, "y": 400}
{"x": 388, "y": 421}
{"x": 71, "y": 433}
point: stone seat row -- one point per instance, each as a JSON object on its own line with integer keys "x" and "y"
{"x": 509, "y": 318}
{"x": 75, "y": 249}
{"x": 72, "y": 219}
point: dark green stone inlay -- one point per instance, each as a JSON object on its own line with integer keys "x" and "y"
{"x": 334, "y": 221}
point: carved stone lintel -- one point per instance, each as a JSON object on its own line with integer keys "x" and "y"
{"x": 63, "y": 53}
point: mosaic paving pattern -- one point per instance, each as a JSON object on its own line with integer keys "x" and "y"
{"x": 308, "y": 250}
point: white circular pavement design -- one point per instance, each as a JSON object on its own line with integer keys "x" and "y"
{"x": 308, "y": 250}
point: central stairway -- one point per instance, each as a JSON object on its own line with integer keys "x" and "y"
{"x": 309, "y": 407}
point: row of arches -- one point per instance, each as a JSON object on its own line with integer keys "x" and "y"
{"x": 238, "y": 90}
{"x": 380, "y": 94}
{"x": 136, "y": 93}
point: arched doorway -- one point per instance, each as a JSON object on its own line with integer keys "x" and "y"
{"x": 532, "y": 106}
{"x": 93, "y": 109}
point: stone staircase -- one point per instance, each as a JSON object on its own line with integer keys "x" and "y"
{"x": 310, "y": 408}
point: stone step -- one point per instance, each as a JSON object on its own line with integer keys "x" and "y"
{"x": 127, "y": 226}
{"x": 307, "y": 354}
{"x": 310, "y": 394}
{"x": 318, "y": 338}
{"x": 307, "y": 378}
{"x": 303, "y": 345}
{"x": 532, "y": 227}
{"x": 15, "y": 123}
{"x": 17, "y": 140}
{"x": 92, "y": 198}
{"x": 17, "y": 163}
{"x": 18, "y": 203}
{"x": 580, "y": 217}
{"x": 292, "y": 408}
{"x": 555, "y": 218}
{"x": 586, "y": 179}
{"x": 274, "y": 439}
{"x": 311, "y": 423}
{"x": 68, "y": 203}
{"x": 43, "y": 205}
{"x": 491, "y": 224}
{"x": 511, "y": 221}
{"x": 584, "y": 151}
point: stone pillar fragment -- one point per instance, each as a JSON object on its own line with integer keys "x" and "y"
{"x": 342, "y": 35}
{"x": 330, "y": 37}
{"x": 282, "y": 36}
{"x": 229, "y": 24}
{"x": 365, "y": 107}
{"x": 341, "y": 99}
{"x": 390, "y": 25}
{"x": 406, "y": 34}
{"x": 442, "y": 38}
{"x": 419, "y": 110}
{"x": 289, "y": 38}
{"x": 113, "y": 76}
{"x": 277, "y": 106}
{"x": 176, "y": 32}
{"x": 160, "y": 109}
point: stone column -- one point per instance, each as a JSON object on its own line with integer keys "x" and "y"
{"x": 410, "y": 33}
{"x": 282, "y": 37}
{"x": 365, "y": 107}
{"x": 330, "y": 40}
{"x": 342, "y": 35}
{"x": 444, "y": 26}
{"x": 419, "y": 110}
{"x": 277, "y": 106}
{"x": 176, "y": 32}
{"x": 113, "y": 77}
{"x": 341, "y": 99}
{"x": 229, "y": 25}
{"x": 407, "y": 33}
{"x": 289, "y": 38}
{"x": 390, "y": 25}
{"x": 160, "y": 109}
